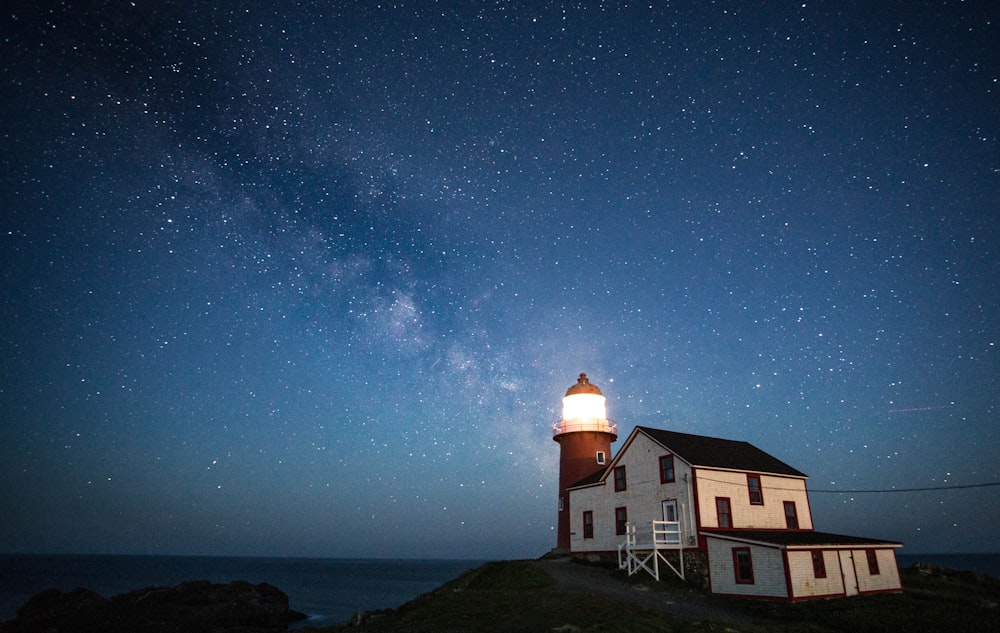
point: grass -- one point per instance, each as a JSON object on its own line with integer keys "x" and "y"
{"x": 517, "y": 596}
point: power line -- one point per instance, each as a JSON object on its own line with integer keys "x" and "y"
{"x": 854, "y": 492}
{"x": 929, "y": 488}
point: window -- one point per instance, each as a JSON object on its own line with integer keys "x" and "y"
{"x": 600, "y": 457}
{"x": 756, "y": 494}
{"x": 621, "y": 520}
{"x": 743, "y": 565}
{"x": 791, "y": 516}
{"x": 724, "y": 512}
{"x": 819, "y": 565}
{"x": 666, "y": 469}
{"x": 872, "y": 562}
{"x": 560, "y": 504}
{"x": 619, "y": 478}
{"x": 588, "y": 524}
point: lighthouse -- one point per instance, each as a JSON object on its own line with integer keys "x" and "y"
{"x": 584, "y": 434}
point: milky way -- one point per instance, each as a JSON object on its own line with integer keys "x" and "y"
{"x": 293, "y": 279}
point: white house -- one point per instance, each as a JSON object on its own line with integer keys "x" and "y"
{"x": 724, "y": 510}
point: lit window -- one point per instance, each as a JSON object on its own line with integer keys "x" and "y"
{"x": 724, "y": 512}
{"x": 619, "y": 478}
{"x": 666, "y": 469}
{"x": 819, "y": 565}
{"x": 743, "y": 565}
{"x": 872, "y": 562}
{"x": 621, "y": 520}
{"x": 791, "y": 516}
{"x": 588, "y": 524}
{"x": 756, "y": 494}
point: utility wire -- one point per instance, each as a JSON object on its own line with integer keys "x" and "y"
{"x": 854, "y": 492}
{"x": 984, "y": 485}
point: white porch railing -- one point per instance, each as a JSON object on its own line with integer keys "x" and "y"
{"x": 644, "y": 549}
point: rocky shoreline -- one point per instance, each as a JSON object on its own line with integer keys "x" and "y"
{"x": 190, "y": 607}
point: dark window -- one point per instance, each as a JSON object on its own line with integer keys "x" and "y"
{"x": 724, "y": 512}
{"x": 743, "y": 565}
{"x": 619, "y": 478}
{"x": 819, "y": 565}
{"x": 600, "y": 457}
{"x": 872, "y": 562}
{"x": 621, "y": 520}
{"x": 666, "y": 469}
{"x": 791, "y": 516}
{"x": 756, "y": 494}
{"x": 588, "y": 524}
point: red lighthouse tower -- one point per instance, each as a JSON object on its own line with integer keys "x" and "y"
{"x": 584, "y": 434}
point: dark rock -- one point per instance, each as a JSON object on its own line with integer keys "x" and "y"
{"x": 195, "y": 607}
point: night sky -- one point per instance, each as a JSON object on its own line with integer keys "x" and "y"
{"x": 311, "y": 278}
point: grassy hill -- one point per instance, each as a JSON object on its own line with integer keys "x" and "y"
{"x": 521, "y": 596}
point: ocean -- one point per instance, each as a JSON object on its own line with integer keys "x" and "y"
{"x": 988, "y": 564}
{"x": 329, "y": 591}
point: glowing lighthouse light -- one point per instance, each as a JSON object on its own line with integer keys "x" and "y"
{"x": 584, "y": 409}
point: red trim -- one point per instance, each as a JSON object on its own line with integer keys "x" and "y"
{"x": 696, "y": 502}
{"x": 819, "y": 572}
{"x": 805, "y": 489}
{"x": 619, "y": 524}
{"x": 819, "y": 596}
{"x": 872, "y": 556}
{"x": 751, "y": 596}
{"x": 875, "y": 591}
{"x": 795, "y": 514}
{"x": 760, "y": 489}
{"x": 588, "y": 514}
{"x": 736, "y": 565}
{"x": 673, "y": 474}
{"x": 622, "y": 482}
{"x": 788, "y": 574}
{"x": 719, "y": 513}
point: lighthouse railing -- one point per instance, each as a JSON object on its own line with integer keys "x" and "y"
{"x": 600, "y": 425}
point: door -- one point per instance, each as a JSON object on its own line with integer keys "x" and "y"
{"x": 847, "y": 573}
{"x": 672, "y": 534}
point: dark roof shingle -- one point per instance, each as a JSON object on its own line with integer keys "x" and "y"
{"x": 699, "y": 450}
{"x": 795, "y": 537}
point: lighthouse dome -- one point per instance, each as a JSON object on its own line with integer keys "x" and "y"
{"x": 583, "y": 386}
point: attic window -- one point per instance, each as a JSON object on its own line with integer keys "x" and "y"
{"x": 620, "y": 478}
{"x": 666, "y": 469}
{"x": 600, "y": 457}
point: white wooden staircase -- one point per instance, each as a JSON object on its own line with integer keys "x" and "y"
{"x": 646, "y": 546}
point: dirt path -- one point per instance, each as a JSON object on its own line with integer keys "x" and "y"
{"x": 689, "y": 604}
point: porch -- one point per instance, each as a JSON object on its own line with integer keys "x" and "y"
{"x": 645, "y": 546}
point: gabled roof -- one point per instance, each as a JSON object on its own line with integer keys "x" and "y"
{"x": 713, "y": 452}
{"x": 796, "y": 538}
